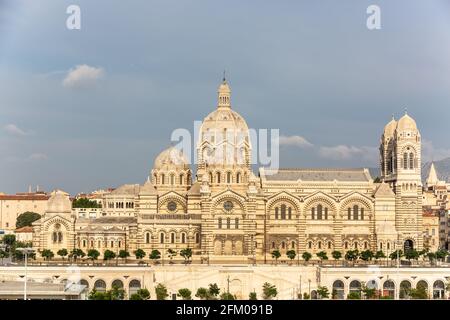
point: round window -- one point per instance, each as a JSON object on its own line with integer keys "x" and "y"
{"x": 228, "y": 205}
{"x": 172, "y": 206}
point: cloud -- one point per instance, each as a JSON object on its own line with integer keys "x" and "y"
{"x": 14, "y": 130}
{"x": 296, "y": 141}
{"x": 430, "y": 153}
{"x": 82, "y": 76}
{"x": 344, "y": 152}
{"x": 38, "y": 156}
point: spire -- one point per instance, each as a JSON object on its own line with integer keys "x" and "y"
{"x": 224, "y": 94}
{"x": 432, "y": 179}
{"x": 406, "y": 111}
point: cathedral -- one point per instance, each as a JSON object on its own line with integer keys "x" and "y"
{"x": 224, "y": 212}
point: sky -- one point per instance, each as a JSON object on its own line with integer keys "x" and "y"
{"x": 87, "y": 109}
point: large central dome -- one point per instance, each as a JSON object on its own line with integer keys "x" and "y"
{"x": 224, "y": 136}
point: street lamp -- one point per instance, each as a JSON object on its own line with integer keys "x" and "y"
{"x": 26, "y": 252}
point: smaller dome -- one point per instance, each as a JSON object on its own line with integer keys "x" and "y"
{"x": 389, "y": 129}
{"x": 171, "y": 158}
{"x": 406, "y": 123}
{"x": 59, "y": 202}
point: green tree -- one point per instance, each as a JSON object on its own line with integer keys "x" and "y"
{"x": 367, "y": 255}
{"x": 441, "y": 254}
{"x": 171, "y": 253}
{"x": 336, "y": 255}
{"x": 369, "y": 293}
{"x": 306, "y": 296}
{"x": 139, "y": 253}
{"x": 419, "y": 293}
{"x": 322, "y": 255}
{"x": 323, "y": 292}
{"x": 351, "y": 255}
{"x": 185, "y": 294}
{"x": 9, "y": 239}
{"x": 77, "y": 253}
{"x": 379, "y": 255}
{"x": 186, "y": 254}
{"x": 396, "y": 254}
{"x": 377, "y": 180}
{"x": 124, "y": 254}
{"x": 26, "y": 219}
{"x": 269, "y": 291}
{"x": 161, "y": 292}
{"x": 275, "y": 255}
{"x": 431, "y": 256}
{"x": 85, "y": 203}
{"x": 306, "y": 256}
{"x": 116, "y": 293}
{"x": 108, "y": 255}
{"x": 141, "y": 294}
{"x": 3, "y": 254}
{"x": 411, "y": 254}
{"x": 47, "y": 254}
{"x": 291, "y": 254}
{"x": 227, "y": 296}
{"x": 62, "y": 253}
{"x": 155, "y": 255}
{"x": 252, "y": 296}
{"x": 213, "y": 290}
{"x": 354, "y": 295}
{"x": 93, "y": 254}
{"x": 202, "y": 293}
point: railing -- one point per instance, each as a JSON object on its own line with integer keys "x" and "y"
{"x": 166, "y": 216}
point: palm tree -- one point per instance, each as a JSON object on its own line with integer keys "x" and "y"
{"x": 155, "y": 255}
{"x": 306, "y": 256}
{"x": 322, "y": 255}
{"x": 171, "y": 253}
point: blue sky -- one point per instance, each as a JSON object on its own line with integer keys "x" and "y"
{"x": 309, "y": 68}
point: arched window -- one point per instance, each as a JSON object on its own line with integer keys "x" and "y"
{"x": 162, "y": 178}
{"x": 236, "y": 223}
{"x": 362, "y": 213}
{"x": 381, "y": 245}
{"x": 218, "y": 177}
{"x": 411, "y": 160}
{"x": 319, "y": 245}
{"x": 276, "y": 213}
{"x": 211, "y": 177}
{"x": 355, "y": 212}
{"x": 346, "y": 245}
{"x": 289, "y": 213}
{"x": 147, "y": 237}
{"x": 54, "y": 237}
{"x": 405, "y": 161}
{"x": 283, "y": 211}
{"x": 388, "y": 246}
{"x": 228, "y": 177}
{"x": 293, "y": 245}
{"x": 329, "y": 244}
{"x": 172, "y": 237}
{"x": 349, "y": 214}
{"x": 319, "y": 212}
{"x": 326, "y": 213}
{"x": 238, "y": 177}
{"x": 283, "y": 245}
{"x": 338, "y": 289}
{"x": 197, "y": 238}
{"x": 161, "y": 237}
{"x": 220, "y": 223}
{"x": 309, "y": 245}
{"x": 228, "y": 223}
{"x": 273, "y": 245}
{"x": 181, "y": 178}
{"x": 356, "y": 245}
{"x": 313, "y": 213}
{"x": 84, "y": 243}
{"x": 183, "y": 237}
{"x": 365, "y": 245}
{"x": 172, "y": 179}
